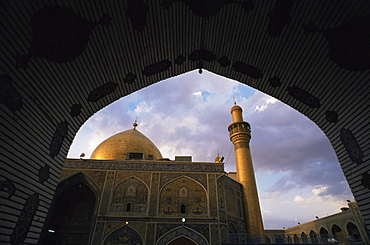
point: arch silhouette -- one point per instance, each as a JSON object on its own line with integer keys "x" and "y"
{"x": 279, "y": 239}
{"x": 304, "y": 238}
{"x": 126, "y": 234}
{"x": 182, "y": 241}
{"x": 49, "y": 89}
{"x": 313, "y": 237}
{"x": 324, "y": 234}
{"x": 179, "y": 177}
{"x": 72, "y": 215}
{"x": 182, "y": 232}
{"x": 296, "y": 238}
{"x": 353, "y": 231}
{"x": 233, "y": 233}
{"x": 130, "y": 177}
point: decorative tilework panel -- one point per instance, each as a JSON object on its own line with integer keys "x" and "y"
{"x": 25, "y": 219}
{"x": 98, "y": 235}
{"x": 195, "y": 203}
{"x": 154, "y": 194}
{"x": 166, "y": 177}
{"x": 212, "y": 195}
{"x": 129, "y": 198}
{"x": 150, "y": 234}
{"x": 124, "y": 235}
{"x": 106, "y": 193}
{"x": 139, "y": 166}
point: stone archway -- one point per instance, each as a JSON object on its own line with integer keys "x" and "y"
{"x": 182, "y": 241}
{"x": 124, "y": 234}
{"x": 55, "y": 76}
{"x": 72, "y": 215}
{"x": 353, "y": 231}
{"x": 185, "y": 232}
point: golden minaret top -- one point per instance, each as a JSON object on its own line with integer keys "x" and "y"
{"x": 135, "y": 124}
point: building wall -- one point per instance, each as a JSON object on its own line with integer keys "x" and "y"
{"x": 145, "y": 206}
{"x": 339, "y": 226}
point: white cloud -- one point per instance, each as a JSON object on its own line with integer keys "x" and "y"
{"x": 319, "y": 189}
{"x": 298, "y": 199}
{"x": 265, "y": 103}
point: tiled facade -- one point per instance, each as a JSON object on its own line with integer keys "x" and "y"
{"x": 147, "y": 206}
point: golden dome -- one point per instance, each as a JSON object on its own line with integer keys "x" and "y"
{"x": 130, "y": 141}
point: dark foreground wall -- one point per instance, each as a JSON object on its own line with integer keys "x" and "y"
{"x": 61, "y": 61}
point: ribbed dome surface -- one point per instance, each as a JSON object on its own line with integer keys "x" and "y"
{"x": 118, "y": 145}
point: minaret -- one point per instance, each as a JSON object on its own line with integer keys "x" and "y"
{"x": 240, "y": 135}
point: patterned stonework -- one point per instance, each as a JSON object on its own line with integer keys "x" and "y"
{"x": 67, "y": 173}
{"x": 230, "y": 200}
{"x": 182, "y": 231}
{"x": 98, "y": 236}
{"x": 25, "y": 219}
{"x": 212, "y": 195}
{"x": 106, "y": 193}
{"x": 166, "y": 177}
{"x": 183, "y": 196}
{"x": 215, "y": 234}
{"x": 143, "y": 176}
{"x": 139, "y": 166}
{"x": 130, "y": 198}
{"x": 154, "y": 194}
{"x": 150, "y": 234}
{"x": 97, "y": 176}
{"x": 124, "y": 235}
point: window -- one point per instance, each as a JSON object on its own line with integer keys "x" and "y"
{"x": 128, "y": 207}
{"x": 150, "y": 157}
{"x": 182, "y": 209}
{"x": 134, "y": 156}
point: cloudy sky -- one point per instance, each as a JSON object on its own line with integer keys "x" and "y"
{"x": 297, "y": 172}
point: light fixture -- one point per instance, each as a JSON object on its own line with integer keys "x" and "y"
{"x": 51, "y": 231}
{"x": 183, "y": 220}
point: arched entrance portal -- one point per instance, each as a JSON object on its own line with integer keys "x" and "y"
{"x": 353, "y": 231}
{"x": 184, "y": 234}
{"x": 182, "y": 241}
{"x": 53, "y": 78}
{"x": 71, "y": 217}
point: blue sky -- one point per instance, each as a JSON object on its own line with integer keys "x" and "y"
{"x": 297, "y": 172}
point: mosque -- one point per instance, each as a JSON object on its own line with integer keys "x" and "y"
{"x": 127, "y": 193}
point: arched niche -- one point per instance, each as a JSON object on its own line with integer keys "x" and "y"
{"x": 353, "y": 231}
{"x": 335, "y": 229}
{"x": 233, "y": 234}
{"x": 279, "y": 239}
{"x": 313, "y": 237}
{"x": 185, "y": 232}
{"x": 304, "y": 238}
{"x": 72, "y": 216}
{"x": 289, "y": 239}
{"x": 182, "y": 241}
{"x": 130, "y": 197}
{"x": 183, "y": 196}
{"x": 296, "y": 239}
{"x": 124, "y": 234}
{"x": 324, "y": 234}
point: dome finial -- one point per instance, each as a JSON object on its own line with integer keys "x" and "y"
{"x": 234, "y": 101}
{"x": 135, "y": 124}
